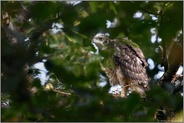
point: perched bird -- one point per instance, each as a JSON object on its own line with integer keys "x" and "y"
{"x": 123, "y": 62}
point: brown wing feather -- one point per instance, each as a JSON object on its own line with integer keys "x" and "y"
{"x": 132, "y": 63}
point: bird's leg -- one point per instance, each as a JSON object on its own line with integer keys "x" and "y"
{"x": 124, "y": 91}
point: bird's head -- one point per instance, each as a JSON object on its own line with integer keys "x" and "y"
{"x": 102, "y": 41}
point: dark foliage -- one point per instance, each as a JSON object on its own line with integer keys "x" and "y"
{"x": 72, "y": 91}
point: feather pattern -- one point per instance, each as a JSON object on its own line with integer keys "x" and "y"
{"x": 131, "y": 62}
{"x": 125, "y": 63}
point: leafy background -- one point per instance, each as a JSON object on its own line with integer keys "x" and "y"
{"x": 58, "y": 35}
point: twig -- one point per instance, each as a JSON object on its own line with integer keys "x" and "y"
{"x": 149, "y": 12}
{"x": 62, "y": 93}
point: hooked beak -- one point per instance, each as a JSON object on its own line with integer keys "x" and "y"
{"x": 98, "y": 43}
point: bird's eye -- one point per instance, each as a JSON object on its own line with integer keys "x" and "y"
{"x": 100, "y": 38}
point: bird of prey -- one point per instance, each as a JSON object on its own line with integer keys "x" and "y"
{"x": 123, "y": 62}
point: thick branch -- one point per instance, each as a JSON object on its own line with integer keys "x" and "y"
{"x": 174, "y": 62}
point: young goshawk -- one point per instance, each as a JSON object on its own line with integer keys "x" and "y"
{"x": 123, "y": 62}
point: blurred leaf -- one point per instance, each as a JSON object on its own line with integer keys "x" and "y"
{"x": 62, "y": 33}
